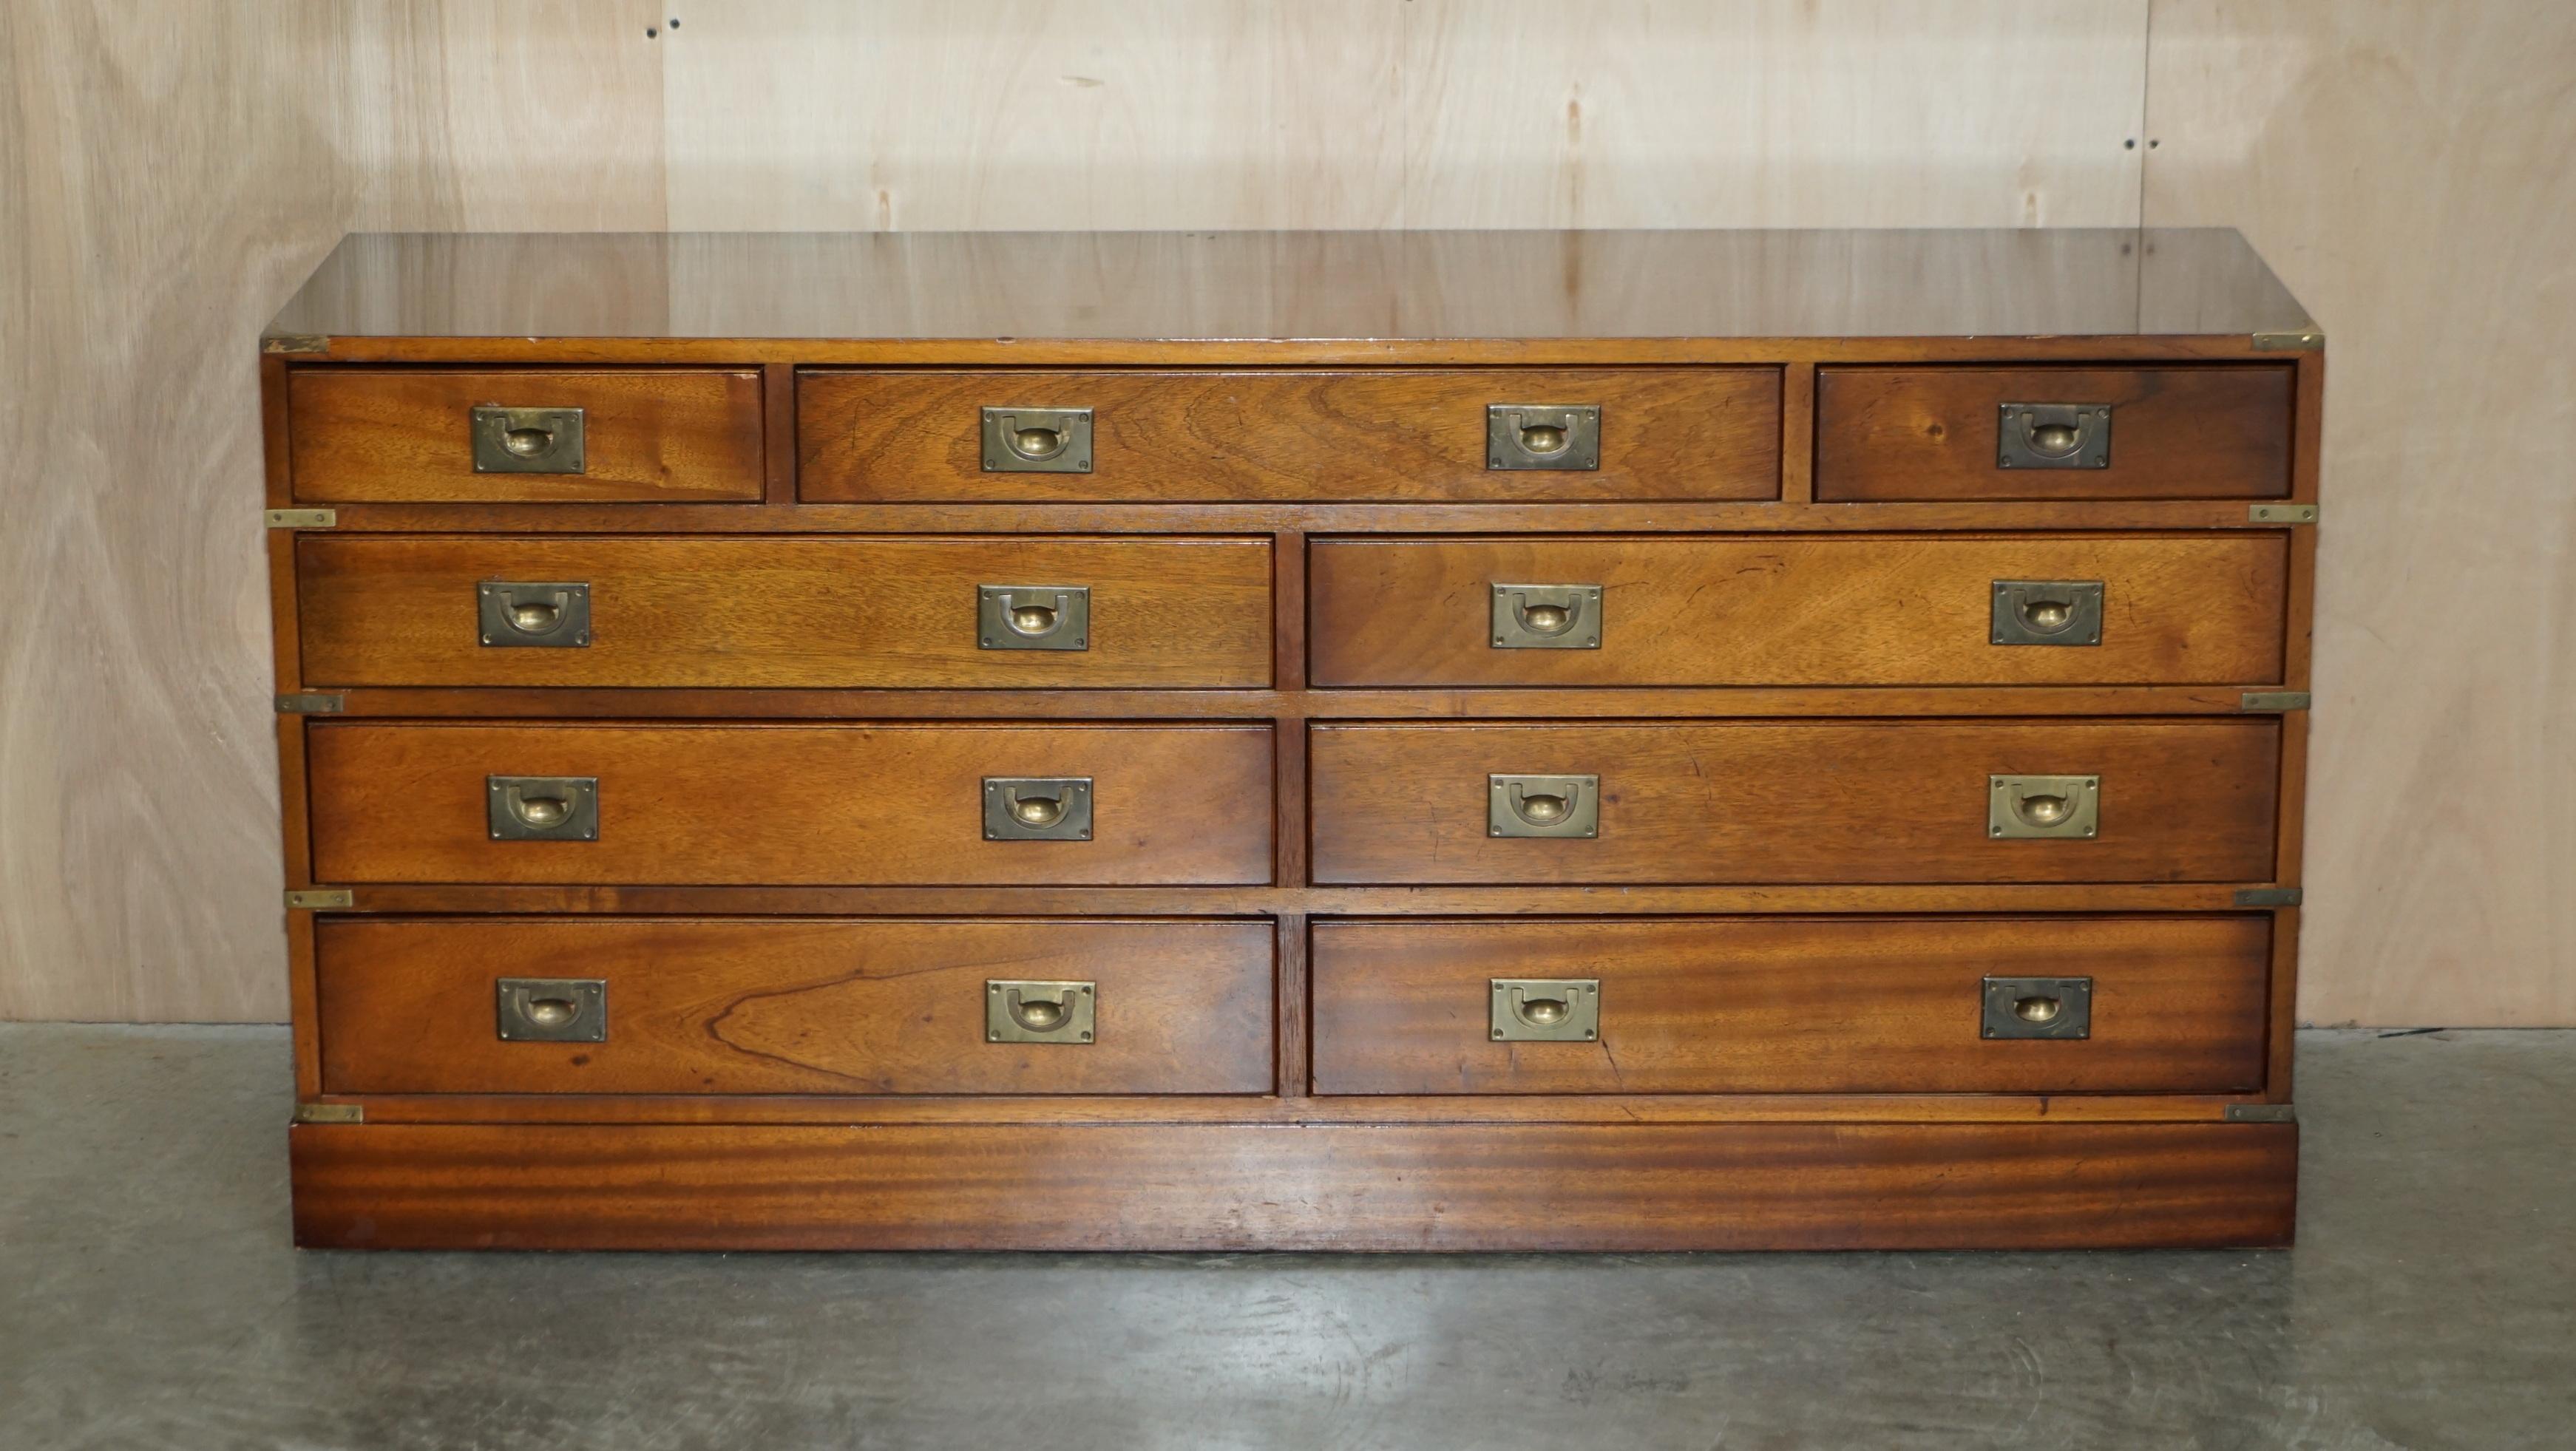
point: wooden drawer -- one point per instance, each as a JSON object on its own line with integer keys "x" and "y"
{"x": 1170, "y": 436}
{"x": 1781, "y": 802}
{"x": 405, "y": 435}
{"x": 780, "y": 805}
{"x": 2198, "y": 432}
{"x": 1801, "y": 610}
{"x": 787, "y": 1005}
{"x": 786, "y": 612}
{"x": 1792, "y": 1005}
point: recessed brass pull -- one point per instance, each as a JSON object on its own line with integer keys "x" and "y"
{"x": 1037, "y": 440}
{"x": 1544, "y": 1009}
{"x": 543, "y": 808}
{"x": 512, "y": 614}
{"x": 2043, "y": 806}
{"x": 1037, "y": 808}
{"x": 552, "y": 1010}
{"x": 2047, "y": 612}
{"x": 2037, "y": 1007}
{"x": 1033, "y": 616}
{"x": 2054, "y": 436}
{"x": 1546, "y": 616}
{"x": 1040, "y": 1012}
{"x": 1543, "y": 806}
{"x": 528, "y": 440}
{"x": 1542, "y": 436}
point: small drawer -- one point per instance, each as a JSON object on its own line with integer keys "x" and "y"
{"x": 457, "y": 436}
{"x": 789, "y": 1005}
{"x": 949, "y": 613}
{"x": 1799, "y": 610}
{"x": 1740, "y": 802}
{"x": 2214, "y": 431}
{"x": 1277, "y": 435}
{"x": 1794, "y": 1005}
{"x": 777, "y": 805}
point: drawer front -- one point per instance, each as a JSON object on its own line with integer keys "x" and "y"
{"x": 407, "y": 435}
{"x": 790, "y": 805}
{"x": 1416, "y": 434}
{"x": 784, "y": 1005}
{"x": 1787, "y": 1005}
{"x": 789, "y": 612}
{"x": 1785, "y": 802}
{"x": 1794, "y": 610}
{"x": 2210, "y": 432}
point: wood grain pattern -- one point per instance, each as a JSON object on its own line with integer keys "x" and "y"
{"x": 1791, "y": 1005}
{"x": 1173, "y": 805}
{"x": 2449, "y": 294}
{"x": 1931, "y": 433}
{"x": 1833, "y": 801}
{"x": 1173, "y": 436}
{"x": 650, "y": 435}
{"x": 1797, "y": 611}
{"x": 787, "y": 1005}
{"x": 1210, "y": 1187}
{"x": 846, "y": 613}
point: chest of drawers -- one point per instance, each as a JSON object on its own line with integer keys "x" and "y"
{"x": 1377, "y": 741}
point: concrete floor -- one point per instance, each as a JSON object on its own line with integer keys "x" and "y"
{"x": 148, "y": 1299}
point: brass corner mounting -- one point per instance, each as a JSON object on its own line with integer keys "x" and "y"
{"x": 303, "y": 518}
{"x": 2294, "y": 341}
{"x": 330, "y": 1113}
{"x": 320, "y": 899}
{"x": 295, "y": 343}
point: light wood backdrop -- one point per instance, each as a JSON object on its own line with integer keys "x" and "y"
{"x": 169, "y": 172}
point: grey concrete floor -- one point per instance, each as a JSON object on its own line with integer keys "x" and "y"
{"x": 148, "y": 1298}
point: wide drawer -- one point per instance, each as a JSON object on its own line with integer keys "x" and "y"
{"x": 409, "y": 435}
{"x": 1410, "y": 434}
{"x": 1791, "y": 1005}
{"x": 876, "y": 804}
{"x": 785, "y": 612}
{"x": 1800, "y": 610}
{"x": 1782, "y": 802}
{"x": 2198, "y": 432}
{"x": 786, "y": 1005}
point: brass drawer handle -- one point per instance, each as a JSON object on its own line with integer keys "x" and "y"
{"x": 1543, "y": 806}
{"x": 2037, "y": 1007}
{"x": 2053, "y": 436}
{"x": 551, "y": 1010}
{"x": 1547, "y": 616}
{"x": 1040, "y": 1012}
{"x": 542, "y": 808}
{"x": 1544, "y": 1009}
{"x": 1033, "y": 616}
{"x": 2047, "y": 612}
{"x": 1542, "y": 436}
{"x": 528, "y": 440}
{"x": 513, "y": 614}
{"x": 2043, "y": 806}
{"x": 1037, "y": 808}
{"x": 1037, "y": 440}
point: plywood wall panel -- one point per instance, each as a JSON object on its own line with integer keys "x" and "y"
{"x": 2405, "y": 168}
{"x": 1782, "y": 113}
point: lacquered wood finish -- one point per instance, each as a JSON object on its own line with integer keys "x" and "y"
{"x": 789, "y": 739}
{"x": 841, "y": 612}
{"x": 1792, "y": 1005}
{"x": 777, "y": 804}
{"x": 1369, "y": 1187}
{"x": 1738, "y": 802}
{"x": 1391, "y": 434}
{"x": 785, "y": 1005}
{"x": 1798, "y": 611}
{"x": 1931, "y": 433}
{"x": 650, "y": 435}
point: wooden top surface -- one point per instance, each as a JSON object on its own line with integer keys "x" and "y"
{"x": 1387, "y": 285}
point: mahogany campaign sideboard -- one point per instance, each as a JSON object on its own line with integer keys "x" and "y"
{"x": 1546, "y": 740}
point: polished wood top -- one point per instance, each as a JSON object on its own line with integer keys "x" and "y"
{"x": 1387, "y": 285}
